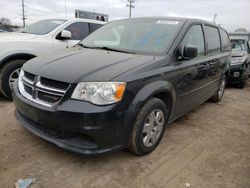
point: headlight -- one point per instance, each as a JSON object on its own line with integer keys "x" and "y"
{"x": 99, "y": 93}
{"x": 238, "y": 60}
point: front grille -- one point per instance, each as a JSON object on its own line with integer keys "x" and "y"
{"x": 56, "y": 84}
{"x": 41, "y": 90}
{"x": 29, "y": 76}
{"x": 28, "y": 89}
{"x": 48, "y": 97}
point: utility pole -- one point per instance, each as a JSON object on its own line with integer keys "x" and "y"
{"x": 65, "y": 3}
{"x": 23, "y": 13}
{"x": 130, "y": 5}
{"x": 215, "y": 16}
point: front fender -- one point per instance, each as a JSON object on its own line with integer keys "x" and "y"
{"x": 151, "y": 90}
{"x": 30, "y": 47}
{"x": 15, "y": 54}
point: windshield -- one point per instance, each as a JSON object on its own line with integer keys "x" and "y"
{"x": 238, "y": 45}
{"x": 42, "y": 27}
{"x": 135, "y": 35}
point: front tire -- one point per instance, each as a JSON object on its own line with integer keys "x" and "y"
{"x": 242, "y": 84}
{"x": 149, "y": 127}
{"x": 220, "y": 91}
{"x": 9, "y": 74}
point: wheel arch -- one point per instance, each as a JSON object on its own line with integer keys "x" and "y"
{"x": 163, "y": 90}
{"x": 167, "y": 98}
{"x": 23, "y": 56}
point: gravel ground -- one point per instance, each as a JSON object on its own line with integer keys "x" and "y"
{"x": 209, "y": 147}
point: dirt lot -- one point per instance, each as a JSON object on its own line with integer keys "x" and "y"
{"x": 209, "y": 147}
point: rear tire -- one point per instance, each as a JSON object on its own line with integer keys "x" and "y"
{"x": 149, "y": 127}
{"x": 220, "y": 91}
{"x": 8, "y": 74}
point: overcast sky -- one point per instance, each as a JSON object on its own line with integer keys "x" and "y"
{"x": 232, "y": 14}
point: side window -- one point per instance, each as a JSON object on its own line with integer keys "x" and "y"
{"x": 225, "y": 40}
{"x": 213, "y": 39}
{"x": 79, "y": 30}
{"x": 93, "y": 27}
{"x": 195, "y": 37}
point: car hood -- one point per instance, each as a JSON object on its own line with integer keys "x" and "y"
{"x": 238, "y": 53}
{"x": 85, "y": 65}
{"x": 15, "y": 36}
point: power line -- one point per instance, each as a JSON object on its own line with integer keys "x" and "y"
{"x": 130, "y": 5}
{"x": 23, "y": 13}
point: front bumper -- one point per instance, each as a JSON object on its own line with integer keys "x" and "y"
{"x": 77, "y": 126}
{"x": 242, "y": 74}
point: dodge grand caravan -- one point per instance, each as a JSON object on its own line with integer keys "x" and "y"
{"x": 122, "y": 85}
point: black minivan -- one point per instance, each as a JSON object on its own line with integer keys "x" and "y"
{"x": 122, "y": 85}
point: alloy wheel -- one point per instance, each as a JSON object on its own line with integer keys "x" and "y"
{"x": 153, "y": 127}
{"x": 13, "y": 77}
{"x": 222, "y": 88}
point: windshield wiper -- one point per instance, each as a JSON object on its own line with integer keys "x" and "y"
{"x": 80, "y": 44}
{"x": 105, "y": 48}
{"x": 114, "y": 50}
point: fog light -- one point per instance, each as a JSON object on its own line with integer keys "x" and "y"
{"x": 236, "y": 74}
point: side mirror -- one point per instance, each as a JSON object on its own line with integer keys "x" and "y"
{"x": 189, "y": 52}
{"x": 64, "y": 35}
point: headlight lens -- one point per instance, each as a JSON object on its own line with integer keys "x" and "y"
{"x": 99, "y": 93}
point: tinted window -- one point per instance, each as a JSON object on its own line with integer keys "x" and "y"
{"x": 225, "y": 40}
{"x": 213, "y": 39}
{"x": 93, "y": 27}
{"x": 195, "y": 37}
{"x": 79, "y": 30}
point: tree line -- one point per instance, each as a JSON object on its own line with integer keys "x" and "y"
{"x": 6, "y": 23}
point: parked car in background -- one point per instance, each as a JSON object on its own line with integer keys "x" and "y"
{"x": 240, "y": 66}
{"x": 240, "y": 34}
{"x": 5, "y": 30}
{"x": 122, "y": 85}
{"x": 41, "y": 38}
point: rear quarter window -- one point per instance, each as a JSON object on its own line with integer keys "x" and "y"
{"x": 226, "y": 45}
{"x": 213, "y": 39}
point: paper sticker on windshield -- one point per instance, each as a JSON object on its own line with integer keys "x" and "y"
{"x": 169, "y": 22}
